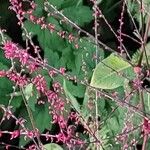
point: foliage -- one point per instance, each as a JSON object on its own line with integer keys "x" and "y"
{"x": 62, "y": 86}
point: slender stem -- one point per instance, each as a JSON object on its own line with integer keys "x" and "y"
{"x": 144, "y": 37}
{"x": 143, "y": 51}
{"x": 96, "y": 62}
{"x": 144, "y": 142}
{"x": 30, "y": 117}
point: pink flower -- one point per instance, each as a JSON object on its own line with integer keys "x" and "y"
{"x": 51, "y": 27}
{"x": 137, "y": 70}
{"x": 61, "y": 137}
{"x": 20, "y": 121}
{"x": 146, "y": 126}
{"x": 51, "y": 95}
{"x": 40, "y": 83}
{"x": 15, "y": 134}
{"x": 32, "y": 147}
{"x": 56, "y": 86}
{"x": 10, "y": 50}
{"x": 17, "y": 78}
{"x": 23, "y": 56}
{"x": 30, "y": 134}
{"x": 62, "y": 70}
{"x": 2, "y": 73}
{"x": 32, "y": 66}
{"x": 52, "y": 73}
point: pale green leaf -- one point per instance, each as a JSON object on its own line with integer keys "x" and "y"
{"x": 52, "y": 146}
{"x": 105, "y": 75}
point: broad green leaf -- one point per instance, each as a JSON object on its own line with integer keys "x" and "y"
{"x": 56, "y": 3}
{"x": 16, "y": 101}
{"x": 4, "y": 61}
{"x": 105, "y": 76}
{"x": 5, "y": 87}
{"x": 40, "y": 122}
{"x": 88, "y": 50}
{"x": 71, "y": 3}
{"x": 3, "y": 67}
{"x": 67, "y": 59}
{"x": 79, "y": 15}
{"x": 5, "y": 94}
{"x": 78, "y": 61}
{"x": 51, "y": 56}
{"x": 71, "y": 98}
{"x": 46, "y": 39}
{"x": 77, "y": 90}
{"x": 52, "y": 146}
{"x": 5, "y": 90}
{"x": 41, "y": 117}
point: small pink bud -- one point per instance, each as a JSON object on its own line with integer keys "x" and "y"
{"x": 2, "y": 73}
{"x": 137, "y": 70}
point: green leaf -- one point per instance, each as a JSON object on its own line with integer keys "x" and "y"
{"x": 4, "y": 61}
{"x": 52, "y": 146}
{"x": 28, "y": 91}
{"x": 40, "y": 122}
{"x": 51, "y": 56}
{"x": 46, "y": 39}
{"x": 87, "y": 50}
{"x": 72, "y": 99}
{"x": 77, "y": 90}
{"x": 105, "y": 75}
{"x": 79, "y": 15}
{"x": 56, "y": 3}
{"x": 67, "y": 59}
{"x": 16, "y": 101}
{"x": 71, "y": 3}
{"x": 31, "y": 95}
{"x": 3, "y": 67}
{"x": 41, "y": 117}
{"x": 5, "y": 90}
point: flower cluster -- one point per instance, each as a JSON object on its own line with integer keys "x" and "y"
{"x": 146, "y": 126}
{"x": 17, "y": 78}
{"x": 40, "y": 83}
{"x": 12, "y": 51}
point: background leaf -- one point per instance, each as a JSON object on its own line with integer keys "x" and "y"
{"x": 106, "y": 78}
{"x": 42, "y": 120}
{"x": 79, "y": 15}
{"x": 72, "y": 99}
{"x": 52, "y": 146}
